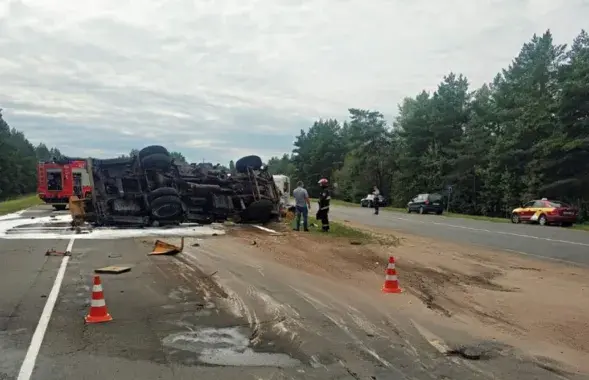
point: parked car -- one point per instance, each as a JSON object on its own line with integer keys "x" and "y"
{"x": 426, "y": 203}
{"x": 368, "y": 201}
{"x": 545, "y": 212}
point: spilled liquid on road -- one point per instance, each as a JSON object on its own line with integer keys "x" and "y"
{"x": 227, "y": 347}
{"x": 16, "y": 226}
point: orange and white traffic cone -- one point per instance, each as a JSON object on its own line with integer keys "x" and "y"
{"x": 98, "y": 311}
{"x": 391, "y": 282}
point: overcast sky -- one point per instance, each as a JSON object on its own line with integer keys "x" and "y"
{"x": 219, "y": 79}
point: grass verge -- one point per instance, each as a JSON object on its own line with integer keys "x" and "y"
{"x": 355, "y": 235}
{"x": 337, "y": 202}
{"x": 336, "y": 229}
{"x": 19, "y": 203}
{"x": 464, "y": 216}
{"x": 584, "y": 227}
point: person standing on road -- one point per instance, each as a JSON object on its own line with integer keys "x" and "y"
{"x": 376, "y": 201}
{"x": 302, "y": 205}
{"x": 324, "y": 199}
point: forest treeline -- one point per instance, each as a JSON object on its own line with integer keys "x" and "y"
{"x": 18, "y": 161}
{"x": 522, "y": 136}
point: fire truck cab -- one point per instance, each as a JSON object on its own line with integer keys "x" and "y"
{"x": 57, "y": 181}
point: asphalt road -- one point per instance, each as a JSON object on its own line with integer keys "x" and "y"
{"x": 548, "y": 242}
{"x": 214, "y": 311}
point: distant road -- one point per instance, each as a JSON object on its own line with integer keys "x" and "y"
{"x": 547, "y": 242}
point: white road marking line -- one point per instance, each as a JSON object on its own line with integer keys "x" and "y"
{"x": 28, "y": 365}
{"x": 265, "y": 229}
{"x": 495, "y": 232}
{"x": 562, "y": 261}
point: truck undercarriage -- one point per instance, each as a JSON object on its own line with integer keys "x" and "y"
{"x": 151, "y": 189}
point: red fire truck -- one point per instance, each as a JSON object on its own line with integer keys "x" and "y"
{"x": 57, "y": 181}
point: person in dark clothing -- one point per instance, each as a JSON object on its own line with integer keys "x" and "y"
{"x": 376, "y": 201}
{"x": 324, "y": 200}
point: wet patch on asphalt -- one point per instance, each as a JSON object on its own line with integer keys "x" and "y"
{"x": 229, "y": 346}
{"x": 195, "y": 330}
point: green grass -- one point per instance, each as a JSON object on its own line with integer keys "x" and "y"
{"x": 464, "y": 216}
{"x": 337, "y": 202}
{"x": 336, "y": 229}
{"x": 18, "y": 204}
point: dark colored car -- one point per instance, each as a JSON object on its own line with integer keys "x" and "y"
{"x": 426, "y": 203}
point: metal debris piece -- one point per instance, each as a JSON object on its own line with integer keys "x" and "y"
{"x": 114, "y": 269}
{"x": 53, "y": 252}
{"x": 163, "y": 248}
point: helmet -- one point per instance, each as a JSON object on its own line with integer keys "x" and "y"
{"x": 323, "y": 182}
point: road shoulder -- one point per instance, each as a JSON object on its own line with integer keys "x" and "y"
{"x": 533, "y": 304}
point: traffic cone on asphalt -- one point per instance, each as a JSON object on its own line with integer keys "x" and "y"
{"x": 391, "y": 283}
{"x": 98, "y": 311}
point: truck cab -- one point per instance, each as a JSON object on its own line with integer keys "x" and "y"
{"x": 283, "y": 184}
{"x": 57, "y": 181}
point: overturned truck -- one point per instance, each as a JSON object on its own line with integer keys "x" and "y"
{"x": 153, "y": 189}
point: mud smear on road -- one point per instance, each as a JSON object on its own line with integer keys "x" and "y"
{"x": 210, "y": 334}
{"x": 438, "y": 288}
{"x": 537, "y": 306}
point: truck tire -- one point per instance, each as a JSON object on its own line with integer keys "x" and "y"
{"x": 254, "y": 162}
{"x": 167, "y": 207}
{"x": 161, "y": 192}
{"x": 152, "y": 149}
{"x": 157, "y": 161}
{"x": 260, "y": 211}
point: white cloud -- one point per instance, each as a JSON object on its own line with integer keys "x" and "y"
{"x": 222, "y": 77}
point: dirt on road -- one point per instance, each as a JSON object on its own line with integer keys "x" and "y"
{"x": 539, "y": 307}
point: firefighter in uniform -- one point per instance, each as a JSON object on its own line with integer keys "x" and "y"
{"x": 323, "y": 209}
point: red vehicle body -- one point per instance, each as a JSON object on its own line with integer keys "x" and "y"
{"x": 544, "y": 211}
{"x": 58, "y": 181}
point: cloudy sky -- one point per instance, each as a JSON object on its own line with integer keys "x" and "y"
{"x": 219, "y": 79}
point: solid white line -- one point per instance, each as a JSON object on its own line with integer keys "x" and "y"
{"x": 26, "y": 369}
{"x": 495, "y": 232}
{"x": 70, "y": 245}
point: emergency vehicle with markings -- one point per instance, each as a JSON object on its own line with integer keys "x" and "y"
{"x": 544, "y": 212}
{"x": 58, "y": 180}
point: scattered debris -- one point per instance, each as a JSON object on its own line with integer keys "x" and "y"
{"x": 355, "y": 242}
{"x": 470, "y": 353}
{"x": 113, "y": 269}
{"x": 196, "y": 245}
{"x": 163, "y": 248}
{"x": 53, "y": 252}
